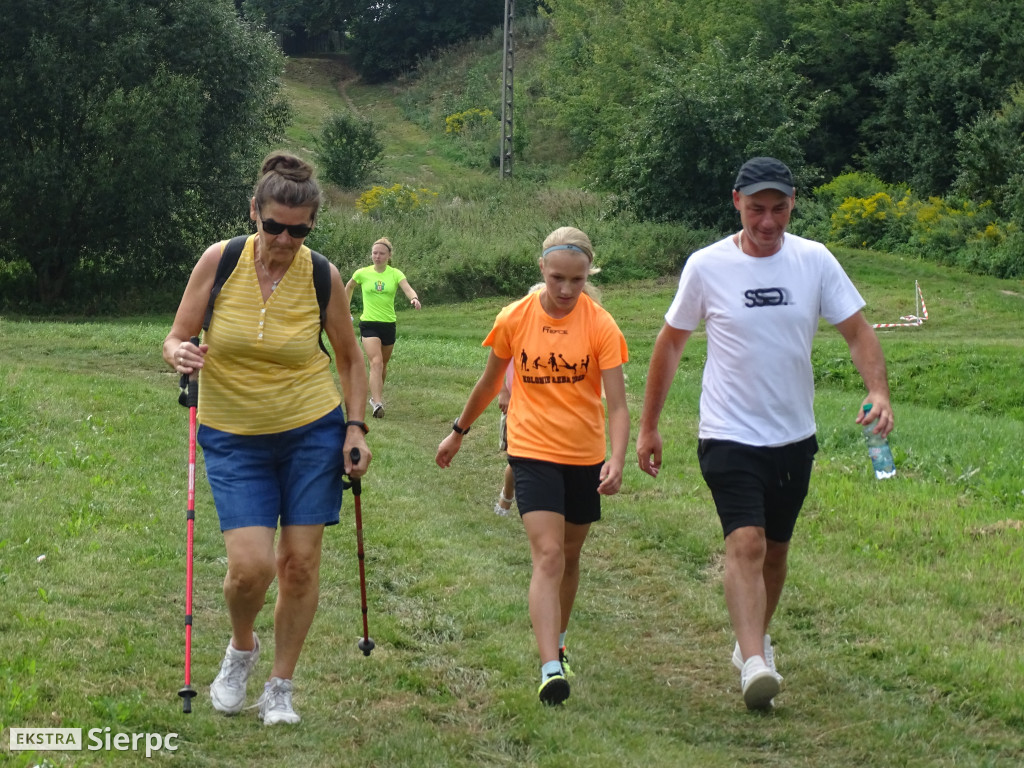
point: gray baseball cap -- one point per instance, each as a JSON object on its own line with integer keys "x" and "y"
{"x": 760, "y": 173}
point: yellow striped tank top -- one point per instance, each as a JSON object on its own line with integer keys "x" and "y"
{"x": 265, "y": 371}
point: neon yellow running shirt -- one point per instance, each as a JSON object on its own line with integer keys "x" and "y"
{"x": 379, "y": 290}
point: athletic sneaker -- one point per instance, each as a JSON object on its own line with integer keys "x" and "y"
{"x": 228, "y": 689}
{"x": 564, "y": 661}
{"x": 759, "y": 683}
{"x": 378, "y": 409}
{"x": 769, "y": 655}
{"x": 554, "y": 690}
{"x": 276, "y": 702}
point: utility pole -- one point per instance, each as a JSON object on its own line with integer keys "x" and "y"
{"x": 507, "y": 63}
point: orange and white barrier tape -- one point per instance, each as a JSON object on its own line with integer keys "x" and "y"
{"x": 910, "y": 321}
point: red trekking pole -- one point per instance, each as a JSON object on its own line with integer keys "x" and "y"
{"x": 366, "y": 643}
{"x": 189, "y": 396}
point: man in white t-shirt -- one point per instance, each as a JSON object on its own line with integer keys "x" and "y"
{"x": 760, "y": 293}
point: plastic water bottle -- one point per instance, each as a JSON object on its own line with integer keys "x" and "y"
{"x": 878, "y": 451}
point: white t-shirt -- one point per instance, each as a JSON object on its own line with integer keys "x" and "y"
{"x": 761, "y": 314}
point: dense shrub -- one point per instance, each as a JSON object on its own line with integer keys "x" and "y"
{"x": 398, "y": 198}
{"x": 991, "y": 157}
{"x": 862, "y": 211}
{"x": 677, "y": 159}
{"x": 473, "y": 136}
{"x": 348, "y": 150}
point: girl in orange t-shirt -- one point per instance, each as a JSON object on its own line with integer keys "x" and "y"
{"x": 564, "y": 346}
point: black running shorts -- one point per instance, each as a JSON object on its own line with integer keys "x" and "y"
{"x": 567, "y": 489}
{"x": 386, "y": 332}
{"x": 758, "y": 486}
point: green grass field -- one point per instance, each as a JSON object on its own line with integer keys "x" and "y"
{"x": 900, "y": 633}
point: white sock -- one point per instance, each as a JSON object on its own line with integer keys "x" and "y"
{"x": 550, "y": 668}
{"x": 561, "y": 639}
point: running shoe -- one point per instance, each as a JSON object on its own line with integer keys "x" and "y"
{"x": 275, "y": 705}
{"x": 769, "y": 655}
{"x": 554, "y": 690}
{"x": 759, "y": 683}
{"x": 228, "y": 689}
{"x": 563, "y": 659}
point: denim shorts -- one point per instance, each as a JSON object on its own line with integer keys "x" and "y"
{"x": 567, "y": 489}
{"x": 758, "y": 486}
{"x": 293, "y": 476}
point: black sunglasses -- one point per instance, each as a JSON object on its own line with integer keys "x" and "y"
{"x": 271, "y": 227}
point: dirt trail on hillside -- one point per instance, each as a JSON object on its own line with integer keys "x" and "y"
{"x": 346, "y": 78}
{"x": 318, "y": 71}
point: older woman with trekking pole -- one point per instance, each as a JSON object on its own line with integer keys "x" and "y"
{"x": 275, "y": 439}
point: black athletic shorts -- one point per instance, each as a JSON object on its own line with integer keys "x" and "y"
{"x": 567, "y": 489}
{"x": 758, "y": 486}
{"x": 386, "y": 332}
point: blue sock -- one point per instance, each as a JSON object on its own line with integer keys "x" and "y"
{"x": 550, "y": 668}
{"x": 561, "y": 639}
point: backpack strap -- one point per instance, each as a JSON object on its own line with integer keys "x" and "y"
{"x": 322, "y": 286}
{"x": 228, "y": 261}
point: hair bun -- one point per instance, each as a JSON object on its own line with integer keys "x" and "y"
{"x": 285, "y": 164}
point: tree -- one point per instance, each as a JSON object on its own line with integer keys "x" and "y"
{"x": 133, "y": 134}
{"x": 843, "y": 48}
{"x": 959, "y": 60}
{"x": 991, "y": 157}
{"x": 694, "y": 130}
{"x": 300, "y": 21}
{"x": 389, "y": 38}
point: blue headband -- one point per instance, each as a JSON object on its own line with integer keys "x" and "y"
{"x": 566, "y": 247}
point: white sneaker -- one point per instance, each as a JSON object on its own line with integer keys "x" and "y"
{"x": 276, "y": 703}
{"x": 769, "y": 655}
{"x": 759, "y": 683}
{"x": 228, "y": 689}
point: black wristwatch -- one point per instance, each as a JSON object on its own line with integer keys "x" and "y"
{"x": 359, "y": 424}
{"x": 459, "y": 430}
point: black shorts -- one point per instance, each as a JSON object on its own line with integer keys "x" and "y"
{"x": 758, "y": 486}
{"x": 386, "y": 332}
{"x": 567, "y": 489}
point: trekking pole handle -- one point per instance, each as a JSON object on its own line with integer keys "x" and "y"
{"x": 357, "y": 484}
{"x": 188, "y": 386}
{"x": 193, "y": 382}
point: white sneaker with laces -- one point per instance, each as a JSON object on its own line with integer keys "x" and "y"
{"x": 275, "y": 705}
{"x": 227, "y": 692}
{"x": 769, "y": 655}
{"x": 759, "y": 683}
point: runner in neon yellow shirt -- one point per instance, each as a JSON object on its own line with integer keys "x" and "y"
{"x": 377, "y": 324}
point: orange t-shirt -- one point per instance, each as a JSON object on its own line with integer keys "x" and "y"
{"x": 556, "y": 413}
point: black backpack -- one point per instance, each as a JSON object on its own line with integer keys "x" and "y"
{"x": 229, "y": 260}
